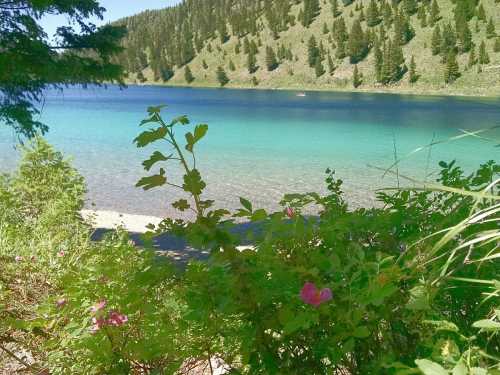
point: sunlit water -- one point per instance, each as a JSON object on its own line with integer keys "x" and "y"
{"x": 260, "y": 144}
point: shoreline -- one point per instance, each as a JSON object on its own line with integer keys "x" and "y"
{"x": 368, "y": 90}
{"x": 103, "y": 219}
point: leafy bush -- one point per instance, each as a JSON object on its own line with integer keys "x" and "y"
{"x": 407, "y": 288}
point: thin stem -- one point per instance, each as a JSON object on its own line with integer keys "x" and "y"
{"x": 12, "y": 355}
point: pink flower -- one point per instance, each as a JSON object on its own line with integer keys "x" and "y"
{"x": 98, "y": 306}
{"x": 61, "y": 254}
{"x": 61, "y": 302}
{"x": 18, "y": 258}
{"x": 117, "y": 319}
{"x": 97, "y": 324}
{"x": 312, "y": 296}
{"x": 290, "y": 212}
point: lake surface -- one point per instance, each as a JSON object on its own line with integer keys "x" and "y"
{"x": 260, "y": 144}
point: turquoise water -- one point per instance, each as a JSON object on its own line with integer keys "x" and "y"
{"x": 260, "y": 144}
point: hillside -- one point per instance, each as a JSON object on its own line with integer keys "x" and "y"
{"x": 267, "y": 44}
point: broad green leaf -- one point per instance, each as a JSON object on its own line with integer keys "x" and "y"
{"x": 430, "y": 368}
{"x": 193, "y": 182}
{"x": 361, "y": 332}
{"x": 183, "y": 120}
{"x": 181, "y": 205}
{"x": 259, "y": 215}
{"x": 442, "y": 325}
{"x": 487, "y": 324}
{"x": 192, "y": 139}
{"x": 419, "y": 299}
{"x": 246, "y": 204}
{"x": 156, "y": 109}
{"x": 460, "y": 369}
{"x": 148, "y": 120}
{"x": 155, "y": 158}
{"x": 150, "y": 136}
{"x": 148, "y": 183}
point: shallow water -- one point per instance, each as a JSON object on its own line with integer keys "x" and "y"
{"x": 260, "y": 144}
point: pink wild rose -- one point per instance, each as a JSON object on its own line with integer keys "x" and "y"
{"x": 97, "y": 324}
{"x": 61, "y": 254}
{"x": 116, "y": 319}
{"x": 18, "y": 258}
{"x": 61, "y": 302}
{"x": 98, "y": 306}
{"x": 312, "y": 296}
{"x": 289, "y": 212}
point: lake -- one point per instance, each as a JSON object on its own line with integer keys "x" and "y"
{"x": 260, "y": 144}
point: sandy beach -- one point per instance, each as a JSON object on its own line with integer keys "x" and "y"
{"x": 112, "y": 220}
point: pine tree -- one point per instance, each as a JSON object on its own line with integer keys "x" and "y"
{"x": 452, "y": 71}
{"x": 496, "y": 47}
{"x": 423, "y": 19}
{"x": 188, "y": 76}
{"x": 357, "y": 77}
{"x": 246, "y": 46}
{"x": 472, "y": 58}
{"x": 335, "y": 8}
{"x": 251, "y": 62}
{"x": 372, "y": 14}
{"x": 271, "y": 61}
{"x": 413, "y": 71}
{"x": 232, "y": 67}
{"x": 318, "y": 68}
{"x": 410, "y": 6}
{"x": 204, "y": 64}
{"x": 255, "y": 81}
{"x": 464, "y": 37}
{"x": 481, "y": 14}
{"x": 325, "y": 28}
{"x": 357, "y": 45}
{"x": 449, "y": 40}
{"x": 378, "y": 61}
{"x": 490, "y": 29}
{"x": 484, "y": 58}
{"x": 435, "y": 13}
{"x": 312, "y": 51}
{"x": 221, "y": 76}
{"x": 331, "y": 65}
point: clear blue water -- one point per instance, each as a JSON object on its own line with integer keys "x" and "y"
{"x": 260, "y": 144}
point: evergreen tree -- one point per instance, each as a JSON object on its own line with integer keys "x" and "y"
{"x": 246, "y": 46}
{"x": 358, "y": 45}
{"x": 357, "y": 77}
{"x": 271, "y": 61}
{"x": 484, "y": 58}
{"x": 413, "y": 71}
{"x": 223, "y": 35}
{"x": 387, "y": 14}
{"x": 325, "y": 29}
{"x": 464, "y": 37}
{"x": 335, "y": 8}
{"x": 410, "y": 6}
{"x": 372, "y": 14}
{"x": 452, "y": 71}
{"x": 312, "y": 51}
{"x": 449, "y": 40}
{"x": 331, "y": 65}
{"x": 496, "y": 47}
{"x": 481, "y": 14}
{"x": 423, "y": 19}
{"x": 221, "y": 76}
{"x": 204, "y": 64}
{"x": 472, "y": 58}
{"x": 435, "y": 13}
{"x": 318, "y": 68}
{"x": 188, "y": 76}
{"x": 232, "y": 67}
{"x": 255, "y": 81}
{"x": 141, "y": 78}
{"x": 311, "y": 10}
{"x": 490, "y": 29}
{"x": 251, "y": 62}
{"x": 378, "y": 62}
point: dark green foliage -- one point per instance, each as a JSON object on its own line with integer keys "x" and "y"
{"x": 166, "y": 72}
{"x": 188, "y": 75}
{"x": 452, "y": 71}
{"x": 311, "y": 10}
{"x": 30, "y": 62}
{"x": 204, "y": 65}
{"x": 435, "y": 13}
{"x": 372, "y": 14}
{"x": 358, "y": 45}
{"x": 232, "y": 67}
{"x": 403, "y": 30}
{"x": 221, "y": 76}
{"x": 472, "y": 58}
{"x": 357, "y": 77}
{"x": 319, "y": 70}
{"x": 378, "y": 62}
{"x": 481, "y": 14}
{"x": 410, "y": 7}
{"x": 449, "y": 40}
{"x": 335, "y": 8}
{"x": 464, "y": 37}
{"x": 436, "y": 41}
{"x": 331, "y": 65}
{"x": 313, "y": 53}
{"x": 413, "y": 75}
{"x": 496, "y": 46}
{"x": 490, "y": 29}
{"x": 484, "y": 58}
{"x": 271, "y": 61}
{"x": 393, "y": 67}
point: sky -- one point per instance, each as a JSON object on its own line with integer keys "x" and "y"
{"x": 115, "y": 9}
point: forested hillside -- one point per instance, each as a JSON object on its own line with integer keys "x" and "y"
{"x": 409, "y": 45}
